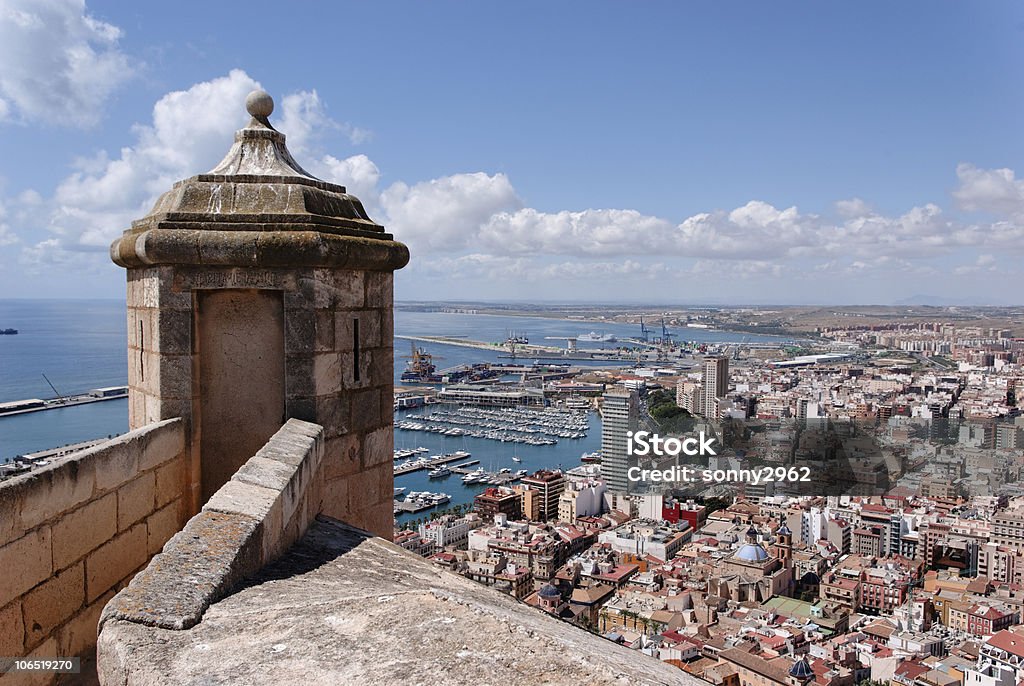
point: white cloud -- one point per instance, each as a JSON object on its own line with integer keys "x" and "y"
{"x": 190, "y": 131}
{"x": 990, "y": 190}
{"x": 475, "y": 225}
{"x": 446, "y": 213}
{"x": 854, "y": 207}
{"x": 303, "y": 117}
{"x": 58, "y": 64}
{"x": 983, "y": 263}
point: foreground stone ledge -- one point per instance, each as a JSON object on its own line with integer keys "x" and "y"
{"x": 250, "y": 521}
{"x": 198, "y": 565}
{"x": 344, "y": 607}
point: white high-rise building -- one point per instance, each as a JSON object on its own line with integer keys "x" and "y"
{"x": 715, "y": 383}
{"x": 619, "y": 415}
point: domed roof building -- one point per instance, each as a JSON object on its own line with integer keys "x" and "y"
{"x": 548, "y": 591}
{"x": 751, "y": 552}
{"x": 752, "y": 572}
{"x": 800, "y": 673}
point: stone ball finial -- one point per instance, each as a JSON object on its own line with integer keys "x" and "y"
{"x": 259, "y": 104}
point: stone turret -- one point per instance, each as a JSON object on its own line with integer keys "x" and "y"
{"x": 259, "y": 293}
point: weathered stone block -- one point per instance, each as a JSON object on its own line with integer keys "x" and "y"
{"x": 299, "y": 377}
{"x": 333, "y": 413}
{"x": 266, "y": 473}
{"x": 170, "y": 481}
{"x": 135, "y": 500}
{"x": 161, "y": 526}
{"x": 171, "y": 332}
{"x": 387, "y": 326}
{"x": 153, "y": 410}
{"x": 214, "y": 551}
{"x": 47, "y": 649}
{"x": 342, "y": 456}
{"x": 324, "y": 335}
{"x": 47, "y": 493}
{"x": 52, "y": 603}
{"x": 327, "y": 373}
{"x": 175, "y": 376}
{"x": 118, "y": 463}
{"x": 338, "y": 289}
{"x": 26, "y": 562}
{"x": 83, "y": 530}
{"x": 114, "y": 560}
{"x": 300, "y": 331}
{"x": 378, "y": 447}
{"x": 78, "y": 636}
{"x": 334, "y": 497}
{"x": 379, "y": 288}
{"x": 369, "y": 328}
{"x": 366, "y": 486}
{"x": 382, "y": 373}
{"x": 10, "y": 508}
{"x": 12, "y": 630}
{"x": 303, "y": 408}
{"x": 365, "y": 410}
{"x": 162, "y": 444}
{"x": 236, "y": 497}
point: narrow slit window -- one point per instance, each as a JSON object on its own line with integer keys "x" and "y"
{"x": 142, "y": 354}
{"x": 355, "y": 348}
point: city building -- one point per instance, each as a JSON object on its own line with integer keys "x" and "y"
{"x": 549, "y": 485}
{"x": 619, "y": 416}
{"x": 715, "y": 383}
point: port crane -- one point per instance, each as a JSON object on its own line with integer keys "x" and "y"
{"x": 59, "y": 394}
{"x": 666, "y": 335}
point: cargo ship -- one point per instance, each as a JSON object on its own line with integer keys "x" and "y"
{"x": 421, "y": 369}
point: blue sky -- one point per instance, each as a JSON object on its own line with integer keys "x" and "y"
{"x": 665, "y": 151}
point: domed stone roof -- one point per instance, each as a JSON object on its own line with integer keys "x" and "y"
{"x": 751, "y": 552}
{"x": 548, "y": 591}
{"x": 801, "y": 670}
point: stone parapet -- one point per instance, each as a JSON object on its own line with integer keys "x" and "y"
{"x": 249, "y": 522}
{"x": 76, "y": 531}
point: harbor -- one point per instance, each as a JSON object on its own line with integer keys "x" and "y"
{"x": 96, "y": 395}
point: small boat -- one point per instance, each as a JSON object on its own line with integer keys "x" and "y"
{"x": 399, "y": 490}
{"x": 516, "y": 459}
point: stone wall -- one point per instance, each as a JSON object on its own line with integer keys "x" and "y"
{"x": 75, "y": 532}
{"x": 249, "y": 522}
{"x": 339, "y": 370}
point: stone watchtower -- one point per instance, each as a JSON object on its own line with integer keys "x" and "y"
{"x": 259, "y": 293}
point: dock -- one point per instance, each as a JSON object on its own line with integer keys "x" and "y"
{"x": 502, "y": 479}
{"x": 430, "y": 464}
{"x": 415, "y": 506}
{"x": 16, "y": 407}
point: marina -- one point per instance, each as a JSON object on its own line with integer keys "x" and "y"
{"x": 507, "y": 425}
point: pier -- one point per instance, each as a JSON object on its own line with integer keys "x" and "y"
{"x": 429, "y": 464}
{"x": 38, "y": 405}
